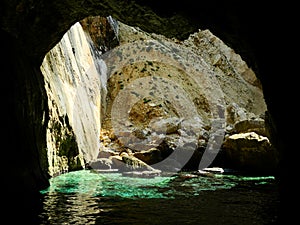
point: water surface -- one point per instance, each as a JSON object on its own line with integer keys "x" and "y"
{"x": 86, "y": 197}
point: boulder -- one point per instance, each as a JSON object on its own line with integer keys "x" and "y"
{"x": 250, "y": 152}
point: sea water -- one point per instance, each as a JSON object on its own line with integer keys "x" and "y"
{"x": 86, "y": 197}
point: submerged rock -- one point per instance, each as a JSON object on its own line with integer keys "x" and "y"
{"x": 142, "y": 174}
{"x": 214, "y": 170}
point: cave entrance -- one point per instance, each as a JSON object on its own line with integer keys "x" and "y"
{"x": 117, "y": 91}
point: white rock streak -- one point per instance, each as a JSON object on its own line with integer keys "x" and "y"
{"x": 73, "y": 87}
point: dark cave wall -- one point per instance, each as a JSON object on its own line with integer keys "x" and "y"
{"x": 39, "y": 25}
{"x": 30, "y": 28}
{"x": 24, "y": 118}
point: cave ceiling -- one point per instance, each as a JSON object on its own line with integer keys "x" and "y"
{"x": 39, "y": 25}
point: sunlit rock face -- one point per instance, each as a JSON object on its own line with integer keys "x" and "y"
{"x": 73, "y": 85}
{"x": 195, "y": 92}
{"x": 113, "y": 87}
{"x": 33, "y": 27}
{"x": 249, "y": 151}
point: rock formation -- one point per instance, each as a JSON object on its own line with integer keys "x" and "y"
{"x": 161, "y": 100}
{"x": 30, "y": 29}
{"x": 73, "y": 86}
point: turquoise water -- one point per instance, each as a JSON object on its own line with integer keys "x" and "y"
{"x": 86, "y": 197}
{"x": 116, "y": 185}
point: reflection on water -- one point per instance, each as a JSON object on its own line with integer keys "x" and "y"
{"x": 84, "y": 197}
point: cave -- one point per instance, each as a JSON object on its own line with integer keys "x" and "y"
{"x": 29, "y": 29}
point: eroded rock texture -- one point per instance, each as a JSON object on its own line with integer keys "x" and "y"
{"x": 29, "y": 29}
{"x": 153, "y": 97}
{"x": 73, "y": 87}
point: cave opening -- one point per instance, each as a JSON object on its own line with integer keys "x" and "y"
{"x": 116, "y": 91}
{"x": 28, "y": 33}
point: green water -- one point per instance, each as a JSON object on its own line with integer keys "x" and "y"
{"x": 86, "y": 197}
{"x": 116, "y": 185}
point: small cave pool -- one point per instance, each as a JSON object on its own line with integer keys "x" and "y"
{"x": 87, "y": 197}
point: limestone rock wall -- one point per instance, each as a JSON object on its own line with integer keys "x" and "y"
{"x": 200, "y": 81}
{"x": 29, "y": 29}
{"x": 108, "y": 77}
{"x": 73, "y": 86}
